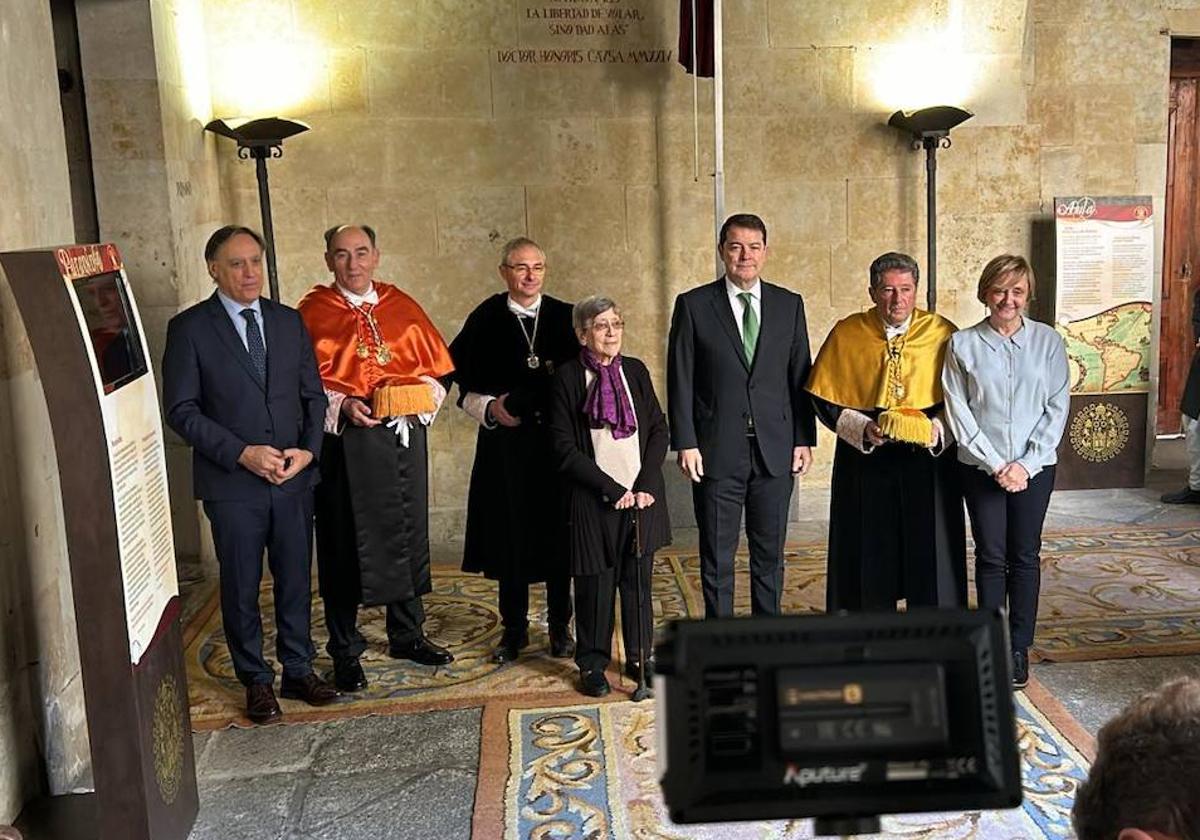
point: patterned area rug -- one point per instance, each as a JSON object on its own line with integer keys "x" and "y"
{"x": 589, "y": 770}
{"x": 1105, "y": 595}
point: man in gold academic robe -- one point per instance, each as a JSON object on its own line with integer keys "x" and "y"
{"x": 380, "y": 359}
{"x": 896, "y": 525}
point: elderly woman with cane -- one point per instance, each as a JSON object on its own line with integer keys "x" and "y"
{"x": 609, "y": 438}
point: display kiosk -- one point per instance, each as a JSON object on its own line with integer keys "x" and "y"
{"x": 91, "y": 354}
{"x": 1103, "y": 309}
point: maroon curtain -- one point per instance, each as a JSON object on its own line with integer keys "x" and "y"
{"x": 704, "y": 42}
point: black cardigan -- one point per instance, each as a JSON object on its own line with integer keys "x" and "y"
{"x": 589, "y": 493}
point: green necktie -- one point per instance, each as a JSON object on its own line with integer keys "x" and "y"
{"x": 749, "y": 326}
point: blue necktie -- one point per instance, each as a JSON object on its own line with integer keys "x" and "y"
{"x": 254, "y": 344}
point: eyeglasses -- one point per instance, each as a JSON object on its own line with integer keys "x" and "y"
{"x": 535, "y": 268}
{"x": 608, "y": 326}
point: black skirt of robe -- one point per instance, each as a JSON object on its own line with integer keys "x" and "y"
{"x": 372, "y": 516}
{"x": 896, "y": 527}
{"x": 514, "y": 504}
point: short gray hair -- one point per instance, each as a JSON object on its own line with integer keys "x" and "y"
{"x": 893, "y": 261}
{"x": 336, "y": 229}
{"x": 587, "y": 309}
{"x": 513, "y": 244}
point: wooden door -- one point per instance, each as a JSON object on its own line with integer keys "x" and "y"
{"x": 1181, "y": 239}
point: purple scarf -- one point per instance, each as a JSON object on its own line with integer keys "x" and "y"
{"x": 607, "y": 402}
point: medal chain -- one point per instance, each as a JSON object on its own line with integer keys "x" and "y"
{"x": 530, "y": 339}
{"x": 382, "y": 354}
{"x": 895, "y": 372}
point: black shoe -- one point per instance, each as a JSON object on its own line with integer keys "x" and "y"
{"x": 421, "y": 651}
{"x": 310, "y": 688}
{"x": 348, "y": 676}
{"x": 1186, "y": 496}
{"x": 261, "y": 706}
{"x": 631, "y": 671}
{"x": 562, "y": 643}
{"x": 511, "y": 642}
{"x": 594, "y": 683}
{"x": 1020, "y": 659}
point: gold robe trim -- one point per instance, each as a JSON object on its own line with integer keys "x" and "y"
{"x": 859, "y": 368}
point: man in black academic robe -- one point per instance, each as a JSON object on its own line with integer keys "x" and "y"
{"x": 896, "y": 528}
{"x": 504, "y": 359}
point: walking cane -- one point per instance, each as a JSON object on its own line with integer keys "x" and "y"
{"x": 642, "y": 691}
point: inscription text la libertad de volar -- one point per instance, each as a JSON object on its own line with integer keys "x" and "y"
{"x": 610, "y": 21}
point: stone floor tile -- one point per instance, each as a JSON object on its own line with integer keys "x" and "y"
{"x": 434, "y": 805}
{"x": 200, "y": 741}
{"x": 1095, "y": 692}
{"x": 236, "y": 752}
{"x": 405, "y": 743}
{"x": 245, "y": 809}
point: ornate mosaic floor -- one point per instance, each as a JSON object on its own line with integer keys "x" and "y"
{"x": 589, "y": 770}
{"x": 1105, "y": 595}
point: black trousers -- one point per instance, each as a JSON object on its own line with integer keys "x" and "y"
{"x": 718, "y": 504}
{"x": 594, "y": 596}
{"x": 404, "y": 624}
{"x": 1007, "y": 528}
{"x": 279, "y": 523}
{"x": 514, "y": 600}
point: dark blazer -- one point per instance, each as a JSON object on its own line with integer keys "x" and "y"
{"x": 1190, "y": 404}
{"x": 712, "y": 392}
{"x": 215, "y": 402}
{"x": 589, "y": 492}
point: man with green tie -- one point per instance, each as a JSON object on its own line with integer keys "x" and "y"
{"x": 741, "y": 423}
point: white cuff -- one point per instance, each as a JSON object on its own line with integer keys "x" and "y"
{"x": 439, "y": 396}
{"x": 476, "y": 405}
{"x": 852, "y": 428}
{"x": 333, "y": 414}
{"x": 940, "y": 438}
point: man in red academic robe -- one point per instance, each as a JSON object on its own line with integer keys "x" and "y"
{"x": 380, "y": 359}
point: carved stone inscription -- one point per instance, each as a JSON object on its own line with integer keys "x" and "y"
{"x": 589, "y": 32}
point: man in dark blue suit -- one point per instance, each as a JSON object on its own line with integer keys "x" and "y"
{"x": 741, "y": 422}
{"x": 240, "y": 385}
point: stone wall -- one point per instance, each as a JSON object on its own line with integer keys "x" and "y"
{"x": 42, "y": 731}
{"x": 157, "y": 190}
{"x": 145, "y": 69}
{"x": 453, "y": 125}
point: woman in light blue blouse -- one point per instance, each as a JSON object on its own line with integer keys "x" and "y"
{"x": 1007, "y": 393}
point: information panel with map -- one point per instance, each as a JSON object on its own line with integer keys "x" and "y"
{"x": 1104, "y": 261}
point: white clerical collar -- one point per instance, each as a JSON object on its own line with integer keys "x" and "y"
{"x": 371, "y": 297}
{"x": 733, "y": 290}
{"x": 899, "y": 329}
{"x": 528, "y": 311}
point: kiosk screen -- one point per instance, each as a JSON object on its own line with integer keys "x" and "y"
{"x": 112, "y": 329}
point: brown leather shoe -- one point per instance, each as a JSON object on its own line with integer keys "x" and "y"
{"x": 261, "y": 705}
{"x": 310, "y": 688}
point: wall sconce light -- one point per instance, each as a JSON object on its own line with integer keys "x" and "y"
{"x": 930, "y": 128}
{"x": 260, "y": 139}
